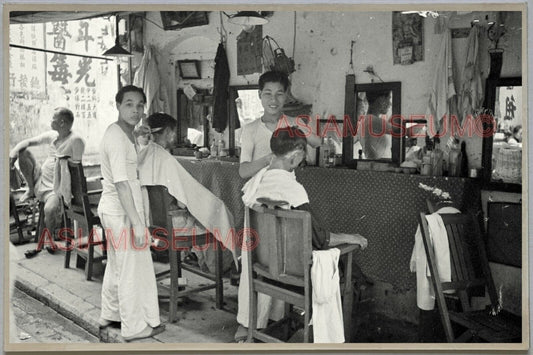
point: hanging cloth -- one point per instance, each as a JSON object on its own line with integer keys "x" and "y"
{"x": 471, "y": 94}
{"x": 443, "y": 90}
{"x": 220, "y": 92}
{"x": 147, "y": 77}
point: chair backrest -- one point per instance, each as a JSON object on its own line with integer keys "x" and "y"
{"x": 468, "y": 259}
{"x": 80, "y": 199}
{"x": 283, "y": 251}
{"x": 159, "y": 199}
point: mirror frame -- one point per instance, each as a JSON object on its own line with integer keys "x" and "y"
{"x": 491, "y": 86}
{"x": 397, "y": 140}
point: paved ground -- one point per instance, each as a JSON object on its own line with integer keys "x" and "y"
{"x": 38, "y": 323}
{"x": 67, "y": 293}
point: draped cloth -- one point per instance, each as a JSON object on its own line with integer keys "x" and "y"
{"x": 443, "y": 88}
{"x": 147, "y": 77}
{"x": 471, "y": 94}
{"x": 425, "y": 294}
{"x": 220, "y": 90}
{"x": 159, "y": 167}
{"x": 328, "y": 326}
{"x": 62, "y": 180}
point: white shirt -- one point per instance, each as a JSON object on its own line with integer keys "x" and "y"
{"x": 118, "y": 163}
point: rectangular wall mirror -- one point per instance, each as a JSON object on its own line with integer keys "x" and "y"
{"x": 245, "y": 107}
{"x": 377, "y": 106}
{"x": 502, "y": 148}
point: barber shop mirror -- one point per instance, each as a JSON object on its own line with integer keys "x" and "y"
{"x": 502, "y": 147}
{"x": 378, "y": 122}
{"x": 245, "y": 107}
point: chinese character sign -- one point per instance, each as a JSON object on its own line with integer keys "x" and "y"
{"x": 40, "y": 82}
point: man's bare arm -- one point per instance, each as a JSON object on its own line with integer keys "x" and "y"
{"x": 248, "y": 169}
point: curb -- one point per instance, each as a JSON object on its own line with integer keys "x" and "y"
{"x": 77, "y": 310}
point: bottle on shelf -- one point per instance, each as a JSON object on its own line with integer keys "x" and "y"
{"x": 455, "y": 159}
{"x": 464, "y": 160}
{"x": 214, "y": 149}
{"x": 332, "y": 152}
{"x": 436, "y": 158}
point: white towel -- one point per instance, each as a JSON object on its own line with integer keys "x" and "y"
{"x": 274, "y": 184}
{"x": 62, "y": 182}
{"x": 328, "y": 326}
{"x": 442, "y": 89}
{"x": 425, "y": 295}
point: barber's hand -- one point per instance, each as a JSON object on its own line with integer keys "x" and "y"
{"x": 141, "y": 235}
{"x": 268, "y": 159}
{"x": 141, "y": 130}
{"x": 12, "y": 161}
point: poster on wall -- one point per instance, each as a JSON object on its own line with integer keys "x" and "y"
{"x": 407, "y": 38}
{"x": 249, "y": 51}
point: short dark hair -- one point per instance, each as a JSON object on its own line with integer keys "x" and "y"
{"x": 129, "y": 88}
{"x": 65, "y": 114}
{"x": 274, "y": 77}
{"x": 517, "y": 128}
{"x": 161, "y": 120}
{"x": 287, "y": 139}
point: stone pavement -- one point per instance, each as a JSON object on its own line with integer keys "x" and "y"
{"x": 67, "y": 292}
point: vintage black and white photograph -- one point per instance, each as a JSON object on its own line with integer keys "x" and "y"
{"x": 229, "y": 176}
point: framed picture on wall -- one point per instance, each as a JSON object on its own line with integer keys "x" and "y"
{"x": 189, "y": 69}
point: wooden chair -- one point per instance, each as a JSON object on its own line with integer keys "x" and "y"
{"x": 85, "y": 213}
{"x": 280, "y": 266}
{"x": 467, "y": 256}
{"x": 160, "y": 200}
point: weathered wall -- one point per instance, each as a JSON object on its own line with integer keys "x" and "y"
{"x": 322, "y": 55}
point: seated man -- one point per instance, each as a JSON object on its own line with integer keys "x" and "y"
{"x": 206, "y": 211}
{"x": 278, "y": 182}
{"x": 41, "y": 180}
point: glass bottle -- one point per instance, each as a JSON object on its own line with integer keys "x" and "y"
{"x": 436, "y": 158}
{"x": 455, "y": 159}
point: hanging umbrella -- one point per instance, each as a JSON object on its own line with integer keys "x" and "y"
{"x": 220, "y": 92}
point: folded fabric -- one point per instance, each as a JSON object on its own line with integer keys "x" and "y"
{"x": 159, "y": 167}
{"x": 425, "y": 295}
{"x": 328, "y": 326}
{"x": 62, "y": 182}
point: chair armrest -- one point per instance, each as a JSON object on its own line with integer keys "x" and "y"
{"x": 94, "y": 192}
{"x": 347, "y": 248}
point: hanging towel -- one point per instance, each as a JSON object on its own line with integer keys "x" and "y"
{"x": 425, "y": 295}
{"x": 220, "y": 90}
{"x": 62, "y": 183}
{"x": 471, "y": 94}
{"x": 443, "y": 89}
{"x": 147, "y": 77}
{"x": 328, "y": 326}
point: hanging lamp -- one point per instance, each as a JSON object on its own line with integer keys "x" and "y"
{"x": 117, "y": 50}
{"x": 248, "y": 18}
